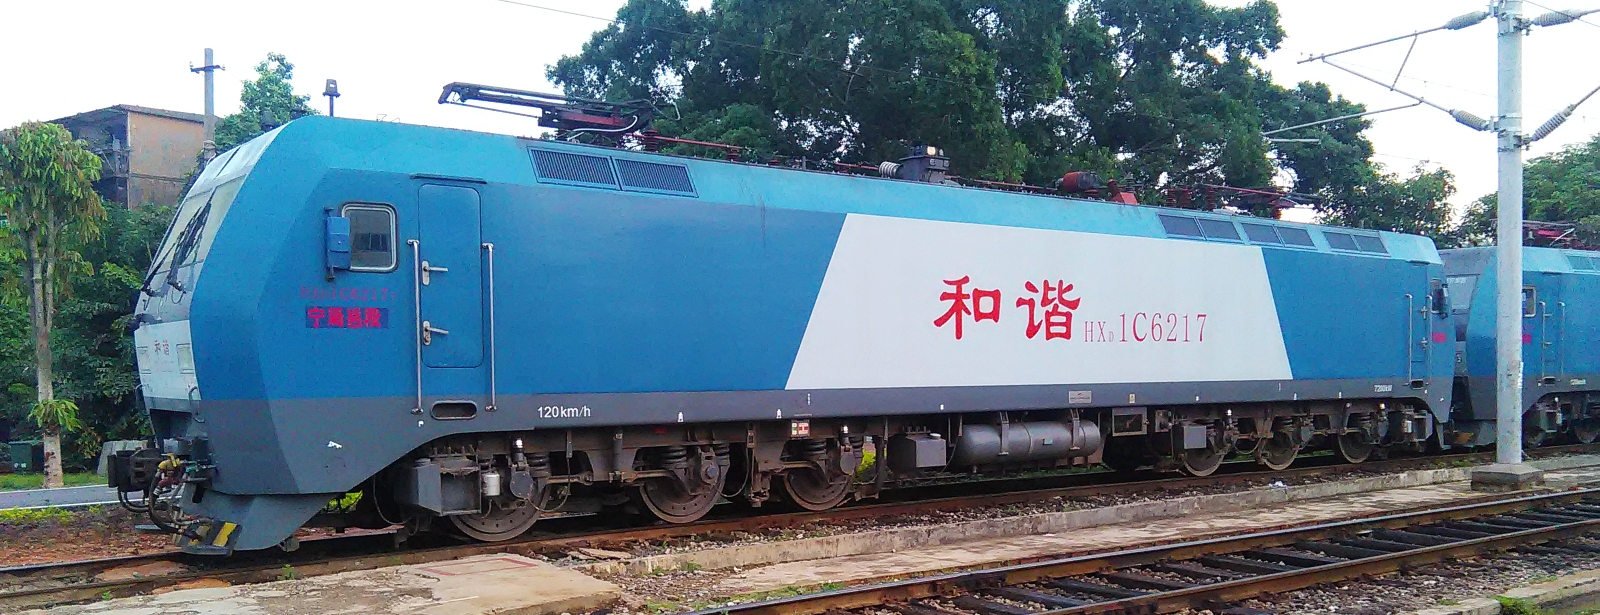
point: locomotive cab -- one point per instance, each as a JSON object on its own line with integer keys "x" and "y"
{"x": 1559, "y": 402}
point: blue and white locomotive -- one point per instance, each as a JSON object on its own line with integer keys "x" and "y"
{"x": 485, "y": 328}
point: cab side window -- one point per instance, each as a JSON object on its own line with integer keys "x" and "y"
{"x": 372, "y": 234}
{"x": 1530, "y": 302}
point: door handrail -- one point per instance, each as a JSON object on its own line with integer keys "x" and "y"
{"x": 1411, "y": 341}
{"x": 494, "y": 401}
{"x": 416, "y": 295}
{"x": 1561, "y": 351}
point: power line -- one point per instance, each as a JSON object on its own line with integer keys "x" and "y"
{"x": 1439, "y": 84}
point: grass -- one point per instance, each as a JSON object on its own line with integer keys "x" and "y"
{"x": 14, "y": 482}
{"x": 1519, "y": 606}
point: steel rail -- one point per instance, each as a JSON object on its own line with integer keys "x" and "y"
{"x": 1000, "y": 492}
{"x": 1205, "y": 595}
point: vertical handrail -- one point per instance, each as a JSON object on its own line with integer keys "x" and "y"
{"x": 1544, "y": 340}
{"x": 416, "y": 296}
{"x": 1561, "y": 351}
{"x": 1411, "y": 341}
{"x": 494, "y": 401}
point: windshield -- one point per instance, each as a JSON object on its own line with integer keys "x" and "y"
{"x": 186, "y": 213}
{"x": 1461, "y": 288}
{"x": 196, "y": 225}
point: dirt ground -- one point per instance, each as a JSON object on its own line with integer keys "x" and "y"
{"x": 55, "y": 535}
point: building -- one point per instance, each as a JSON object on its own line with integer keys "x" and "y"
{"x": 148, "y": 153}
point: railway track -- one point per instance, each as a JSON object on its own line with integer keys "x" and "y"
{"x": 42, "y": 585}
{"x": 1214, "y": 573}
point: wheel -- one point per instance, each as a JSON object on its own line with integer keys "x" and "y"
{"x": 499, "y": 524}
{"x": 1586, "y": 431}
{"x": 811, "y": 490}
{"x": 1277, "y": 452}
{"x": 1202, "y": 461}
{"x": 668, "y": 501}
{"x": 671, "y": 501}
{"x": 1532, "y": 437}
{"x": 1353, "y": 447}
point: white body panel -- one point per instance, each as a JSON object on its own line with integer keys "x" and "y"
{"x": 873, "y": 325}
{"x": 166, "y": 361}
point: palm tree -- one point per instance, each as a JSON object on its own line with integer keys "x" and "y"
{"x": 47, "y": 199}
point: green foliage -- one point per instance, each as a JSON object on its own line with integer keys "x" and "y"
{"x": 1560, "y": 187}
{"x": 55, "y": 415}
{"x": 94, "y": 351}
{"x": 50, "y": 207}
{"x": 1519, "y": 606}
{"x": 1384, "y": 201}
{"x": 1154, "y": 92}
{"x": 270, "y": 95}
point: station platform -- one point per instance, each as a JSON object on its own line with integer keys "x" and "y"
{"x": 483, "y": 585}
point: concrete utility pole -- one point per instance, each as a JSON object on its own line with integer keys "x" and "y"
{"x": 1508, "y": 236}
{"x": 1509, "y": 471}
{"x": 208, "y": 148}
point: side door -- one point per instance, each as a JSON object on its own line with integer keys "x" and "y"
{"x": 450, "y": 289}
{"x": 1419, "y": 327}
{"x": 1551, "y": 327}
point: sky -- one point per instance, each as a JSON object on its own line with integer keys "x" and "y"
{"x": 392, "y": 57}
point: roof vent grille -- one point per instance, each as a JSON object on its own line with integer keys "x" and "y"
{"x": 654, "y": 177}
{"x": 565, "y": 168}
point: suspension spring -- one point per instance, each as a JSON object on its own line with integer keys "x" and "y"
{"x": 539, "y": 464}
{"x": 674, "y": 457}
{"x": 814, "y": 449}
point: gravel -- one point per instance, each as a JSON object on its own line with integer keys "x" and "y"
{"x": 1437, "y": 585}
{"x": 677, "y": 591}
{"x": 716, "y": 540}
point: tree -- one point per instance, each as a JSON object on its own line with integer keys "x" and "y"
{"x": 1561, "y": 187}
{"x": 269, "y": 96}
{"x": 47, "y": 180}
{"x": 1156, "y": 93}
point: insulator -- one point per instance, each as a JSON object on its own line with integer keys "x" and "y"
{"x": 889, "y": 169}
{"x": 1466, "y": 21}
{"x": 1556, "y": 18}
{"x": 1471, "y": 121}
{"x": 1551, "y": 125}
